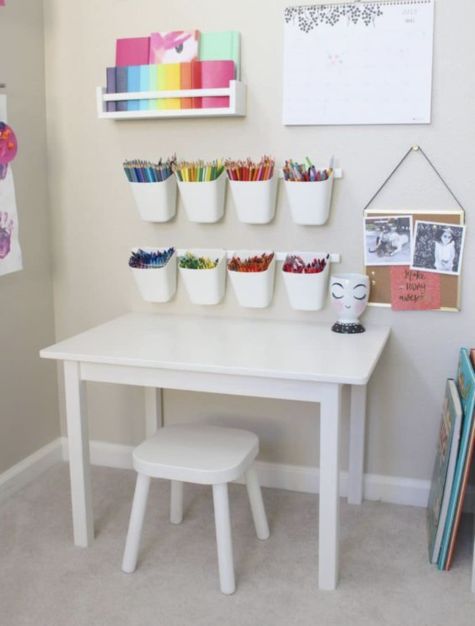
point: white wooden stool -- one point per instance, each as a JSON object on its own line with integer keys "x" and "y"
{"x": 207, "y": 455}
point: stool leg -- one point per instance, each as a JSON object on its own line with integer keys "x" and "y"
{"x": 176, "y": 502}
{"x": 257, "y": 505}
{"x": 129, "y": 561}
{"x": 223, "y": 538}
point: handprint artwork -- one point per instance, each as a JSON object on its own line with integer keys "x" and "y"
{"x": 8, "y": 148}
{"x": 6, "y": 229}
{"x": 10, "y": 251}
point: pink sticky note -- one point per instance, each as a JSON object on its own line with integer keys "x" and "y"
{"x": 2, "y": 3}
{"x": 413, "y": 290}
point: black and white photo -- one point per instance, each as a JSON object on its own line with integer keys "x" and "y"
{"x": 438, "y": 247}
{"x": 388, "y": 240}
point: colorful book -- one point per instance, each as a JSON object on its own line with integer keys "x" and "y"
{"x": 160, "y": 86}
{"x": 177, "y": 46}
{"x": 144, "y": 80}
{"x": 121, "y": 87}
{"x": 110, "y": 87}
{"x": 132, "y": 51}
{"x": 466, "y": 388}
{"x": 222, "y": 46}
{"x": 444, "y": 468}
{"x": 216, "y": 74}
{"x": 133, "y": 84}
{"x": 171, "y": 79}
{"x": 152, "y": 85}
{"x": 157, "y": 83}
{"x": 196, "y": 82}
{"x": 186, "y": 83}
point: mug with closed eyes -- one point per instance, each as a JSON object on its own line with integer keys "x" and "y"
{"x": 349, "y": 297}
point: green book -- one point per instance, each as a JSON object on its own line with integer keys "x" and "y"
{"x": 222, "y": 46}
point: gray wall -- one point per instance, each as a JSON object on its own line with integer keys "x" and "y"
{"x": 95, "y": 223}
{"x": 29, "y": 406}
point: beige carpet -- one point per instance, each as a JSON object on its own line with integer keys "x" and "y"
{"x": 385, "y": 576}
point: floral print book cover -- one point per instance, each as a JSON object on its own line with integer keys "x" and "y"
{"x": 10, "y": 252}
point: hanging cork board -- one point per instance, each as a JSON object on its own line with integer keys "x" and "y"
{"x": 380, "y": 275}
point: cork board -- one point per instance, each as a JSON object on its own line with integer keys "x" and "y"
{"x": 380, "y": 276}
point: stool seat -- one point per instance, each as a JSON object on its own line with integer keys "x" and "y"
{"x": 201, "y": 454}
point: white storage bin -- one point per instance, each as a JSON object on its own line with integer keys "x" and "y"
{"x": 307, "y": 292}
{"x": 156, "y": 284}
{"x": 255, "y": 201}
{"x": 156, "y": 202}
{"x": 204, "y": 201}
{"x": 253, "y": 289}
{"x": 310, "y": 201}
{"x": 205, "y": 286}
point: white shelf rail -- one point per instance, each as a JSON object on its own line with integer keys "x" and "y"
{"x": 236, "y": 93}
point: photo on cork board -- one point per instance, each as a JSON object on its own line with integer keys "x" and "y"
{"x": 438, "y": 247}
{"x": 388, "y": 239}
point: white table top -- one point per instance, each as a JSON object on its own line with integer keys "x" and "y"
{"x": 265, "y": 348}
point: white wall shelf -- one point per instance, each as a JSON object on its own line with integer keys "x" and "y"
{"x": 236, "y": 93}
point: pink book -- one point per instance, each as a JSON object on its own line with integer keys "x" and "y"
{"x": 132, "y": 51}
{"x": 216, "y": 74}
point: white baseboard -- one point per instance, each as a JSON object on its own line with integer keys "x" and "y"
{"x": 380, "y": 488}
{"x": 395, "y": 490}
{"x": 392, "y": 489}
{"x": 28, "y": 469}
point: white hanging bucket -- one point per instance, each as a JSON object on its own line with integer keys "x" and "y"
{"x": 156, "y": 284}
{"x": 310, "y": 201}
{"x": 253, "y": 289}
{"x": 156, "y": 202}
{"x": 205, "y": 286}
{"x": 204, "y": 201}
{"x": 307, "y": 292}
{"x": 255, "y": 201}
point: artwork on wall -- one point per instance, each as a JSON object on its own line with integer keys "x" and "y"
{"x": 10, "y": 252}
{"x": 358, "y": 63}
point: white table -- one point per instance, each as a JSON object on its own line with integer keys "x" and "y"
{"x": 286, "y": 360}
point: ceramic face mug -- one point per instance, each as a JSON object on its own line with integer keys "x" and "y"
{"x": 349, "y": 297}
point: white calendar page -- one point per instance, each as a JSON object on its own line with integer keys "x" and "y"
{"x": 358, "y": 63}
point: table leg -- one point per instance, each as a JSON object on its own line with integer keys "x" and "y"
{"x": 357, "y": 441}
{"x": 329, "y": 507}
{"x": 153, "y": 410}
{"x": 79, "y": 465}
